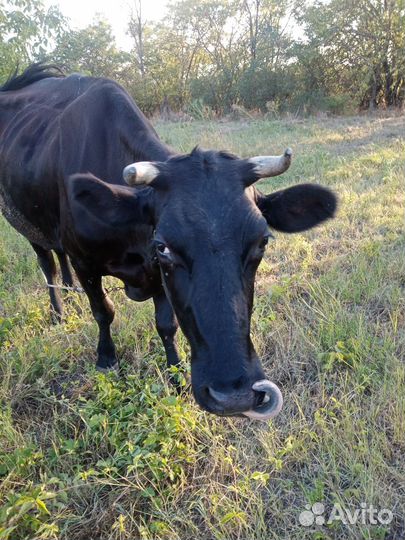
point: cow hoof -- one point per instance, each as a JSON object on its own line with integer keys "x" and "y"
{"x": 115, "y": 368}
{"x": 56, "y": 318}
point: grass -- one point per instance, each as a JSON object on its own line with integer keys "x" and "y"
{"x": 86, "y": 456}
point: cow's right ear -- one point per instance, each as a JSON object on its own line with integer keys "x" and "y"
{"x": 96, "y": 205}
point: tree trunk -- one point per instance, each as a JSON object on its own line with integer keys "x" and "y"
{"x": 136, "y": 29}
{"x": 373, "y": 94}
{"x": 165, "y": 111}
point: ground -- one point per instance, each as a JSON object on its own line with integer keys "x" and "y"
{"x": 85, "y": 456}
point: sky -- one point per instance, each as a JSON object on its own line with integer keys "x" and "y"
{"x": 82, "y": 12}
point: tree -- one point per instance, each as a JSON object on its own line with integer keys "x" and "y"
{"x": 136, "y": 30}
{"x": 92, "y": 50}
{"x": 347, "y": 53}
{"x": 361, "y": 45}
{"x": 27, "y": 31}
{"x": 233, "y": 47}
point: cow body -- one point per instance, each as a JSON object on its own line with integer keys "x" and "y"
{"x": 60, "y": 126}
{"x": 191, "y": 239}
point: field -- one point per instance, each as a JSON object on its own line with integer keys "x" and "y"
{"x": 86, "y": 456}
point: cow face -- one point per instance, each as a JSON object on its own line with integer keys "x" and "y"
{"x": 211, "y": 231}
{"x": 211, "y": 228}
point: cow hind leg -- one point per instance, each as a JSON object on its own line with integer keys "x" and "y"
{"x": 67, "y": 277}
{"x": 103, "y": 311}
{"x": 47, "y": 263}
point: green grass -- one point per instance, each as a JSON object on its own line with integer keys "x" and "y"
{"x": 85, "y": 456}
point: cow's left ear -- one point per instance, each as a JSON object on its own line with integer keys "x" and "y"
{"x": 297, "y": 208}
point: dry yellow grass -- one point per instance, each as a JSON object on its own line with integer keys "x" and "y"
{"x": 83, "y": 456}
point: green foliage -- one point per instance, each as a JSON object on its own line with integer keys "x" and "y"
{"x": 199, "y": 110}
{"x": 6, "y": 324}
{"x": 138, "y": 430}
{"x": 26, "y": 515}
{"x": 268, "y": 55}
{"x": 355, "y": 48}
{"x": 27, "y": 30}
{"x": 91, "y": 51}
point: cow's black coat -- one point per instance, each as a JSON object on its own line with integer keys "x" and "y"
{"x": 192, "y": 240}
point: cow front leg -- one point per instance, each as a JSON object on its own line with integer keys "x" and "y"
{"x": 103, "y": 311}
{"x": 167, "y": 325}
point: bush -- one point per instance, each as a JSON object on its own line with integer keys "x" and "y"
{"x": 308, "y": 103}
{"x": 198, "y": 110}
{"x": 339, "y": 104}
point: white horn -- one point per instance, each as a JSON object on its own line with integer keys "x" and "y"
{"x": 142, "y": 172}
{"x": 266, "y": 166}
{"x": 272, "y": 402}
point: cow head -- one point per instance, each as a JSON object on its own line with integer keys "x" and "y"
{"x": 211, "y": 230}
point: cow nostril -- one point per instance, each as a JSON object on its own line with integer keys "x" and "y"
{"x": 232, "y": 402}
{"x": 260, "y": 398}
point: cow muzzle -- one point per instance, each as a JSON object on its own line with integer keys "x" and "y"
{"x": 264, "y": 400}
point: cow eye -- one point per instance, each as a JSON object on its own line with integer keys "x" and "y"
{"x": 264, "y": 242}
{"x": 163, "y": 249}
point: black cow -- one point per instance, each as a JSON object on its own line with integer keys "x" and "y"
{"x": 191, "y": 234}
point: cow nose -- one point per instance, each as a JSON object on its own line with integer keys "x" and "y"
{"x": 261, "y": 402}
{"x": 232, "y": 402}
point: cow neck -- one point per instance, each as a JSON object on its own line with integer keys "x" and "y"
{"x": 156, "y": 150}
